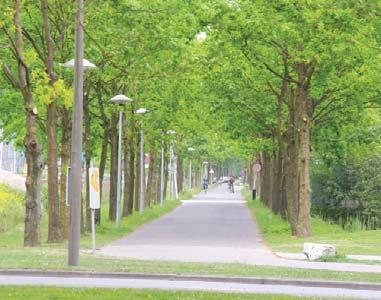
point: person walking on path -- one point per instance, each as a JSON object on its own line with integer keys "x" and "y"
{"x": 205, "y": 183}
{"x": 231, "y": 183}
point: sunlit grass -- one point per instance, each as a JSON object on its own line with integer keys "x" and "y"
{"x": 49, "y": 293}
{"x": 277, "y": 233}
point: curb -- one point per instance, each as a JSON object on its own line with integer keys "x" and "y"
{"x": 173, "y": 277}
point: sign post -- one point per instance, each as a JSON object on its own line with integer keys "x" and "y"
{"x": 95, "y": 202}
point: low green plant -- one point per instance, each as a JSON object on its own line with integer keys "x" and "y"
{"x": 188, "y": 194}
{"x": 11, "y": 207}
{"x": 338, "y": 257}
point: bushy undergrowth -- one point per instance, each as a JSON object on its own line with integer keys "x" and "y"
{"x": 11, "y": 207}
{"x": 348, "y": 192}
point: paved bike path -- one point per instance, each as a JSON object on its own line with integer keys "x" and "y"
{"x": 212, "y": 227}
{"x": 216, "y": 227}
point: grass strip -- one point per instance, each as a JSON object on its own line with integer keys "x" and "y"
{"x": 277, "y": 233}
{"x": 47, "y": 293}
{"x": 56, "y": 259}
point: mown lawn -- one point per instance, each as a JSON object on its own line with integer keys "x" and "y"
{"x": 54, "y": 256}
{"x": 56, "y": 259}
{"x": 277, "y": 234}
{"x": 44, "y": 293}
{"x": 105, "y": 233}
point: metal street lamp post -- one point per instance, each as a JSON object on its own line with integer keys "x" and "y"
{"x": 119, "y": 100}
{"x": 142, "y": 111}
{"x": 76, "y": 148}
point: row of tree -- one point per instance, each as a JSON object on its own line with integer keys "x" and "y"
{"x": 266, "y": 82}
{"x": 288, "y": 71}
{"x": 143, "y": 49}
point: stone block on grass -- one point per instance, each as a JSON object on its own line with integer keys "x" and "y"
{"x": 315, "y": 251}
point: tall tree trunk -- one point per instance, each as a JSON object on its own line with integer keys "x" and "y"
{"x": 292, "y": 164}
{"x": 113, "y": 167}
{"x": 104, "y": 148}
{"x": 132, "y": 178}
{"x": 180, "y": 174}
{"x": 54, "y": 234}
{"x": 156, "y": 181}
{"x": 304, "y": 212}
{"x": 32, "y": 146}
{"x": 127, "y": 203}
{"x": 250, "y": 175}
{"x": 65, "y": 161}
{"x": 102, "y": 167}
{"x": 150, "y": 178}
{"x": 137, "y": 177}
{"x": 88, "y": 153}
{"x": 166, "y": 171}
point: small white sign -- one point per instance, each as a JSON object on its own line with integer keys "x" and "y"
{"x": 95, "y": 199}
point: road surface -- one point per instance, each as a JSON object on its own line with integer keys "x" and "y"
{"x": 212, "y": 227}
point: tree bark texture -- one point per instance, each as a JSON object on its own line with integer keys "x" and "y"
{"x": 113, "y": 167}
{"x": 150, "y": 189}
{"x": 127, "y": 203}
{"x": 304, "y": 214}
{"x": 137, "y": 176}
{"x": 88, "y": 154}
{"x": 32, "y": 147}
{"x": 131, "y": 188}
{"x": 54, "y": 234}
{"x": 65, "y": 161}
{"x": 180, "y": 174}
{"x": 102, "y": 167}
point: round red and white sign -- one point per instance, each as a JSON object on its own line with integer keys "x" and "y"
{"x": 256, "y": 168}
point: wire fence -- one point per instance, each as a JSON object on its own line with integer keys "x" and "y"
{"x": 11, "y": 160}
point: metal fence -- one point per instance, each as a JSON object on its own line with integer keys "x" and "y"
{"x": 11, "y": 160}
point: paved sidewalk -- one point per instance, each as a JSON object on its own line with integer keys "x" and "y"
{"x": 216, "y": 227}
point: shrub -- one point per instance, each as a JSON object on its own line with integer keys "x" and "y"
{"x": 11, "y": 208}
{"x": 348, "y": 192}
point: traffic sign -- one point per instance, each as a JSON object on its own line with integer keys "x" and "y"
{"x": 256, "y": 168}
{"x": 95, "y": 202}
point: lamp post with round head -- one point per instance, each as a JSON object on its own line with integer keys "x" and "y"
{"x": 79, "y": 64}
{"x": 119, "y": 100}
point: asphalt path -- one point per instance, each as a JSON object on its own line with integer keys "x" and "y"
{"x": 212, "y": 227}
{"x": 216, "y": 227}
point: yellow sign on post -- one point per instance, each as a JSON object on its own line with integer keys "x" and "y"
{"x": 95, "y": 200}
